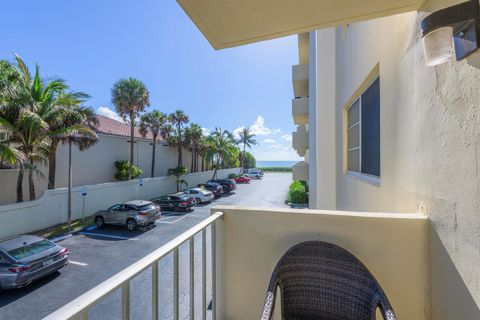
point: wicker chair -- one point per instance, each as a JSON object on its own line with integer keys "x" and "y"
{"x": 322, "y": 281}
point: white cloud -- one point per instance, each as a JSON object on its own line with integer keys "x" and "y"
{"x": 287, "y": 137}
{"x": 205, "y": 131}
{"x": 258, "y": 128}
{"x": 109, "y": 113}
{"x": 269, "y": 141}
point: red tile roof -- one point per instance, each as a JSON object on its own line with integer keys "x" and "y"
{"x": 117, "y": 128}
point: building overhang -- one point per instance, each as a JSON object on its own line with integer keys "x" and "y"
{"x": 228, "y": 23}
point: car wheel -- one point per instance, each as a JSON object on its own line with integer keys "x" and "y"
{"x": 257, "y": 177}
{"x": 198, "y": 200}
{"x": 99, "y": 221}
{"x": 132, "y": 224}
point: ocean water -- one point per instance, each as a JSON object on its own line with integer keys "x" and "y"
{"x": 276, "y": 164}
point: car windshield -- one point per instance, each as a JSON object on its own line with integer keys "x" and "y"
{"x": 31, "y": 249}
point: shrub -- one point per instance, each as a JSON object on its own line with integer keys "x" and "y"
{"x": 297, "y": 192}
{"x": 276, "y": 169}
{"x": 123, "y": 168}
{"x": 232, "y": 175}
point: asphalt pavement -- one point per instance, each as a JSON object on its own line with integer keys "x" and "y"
{"x": 97, "y": 254}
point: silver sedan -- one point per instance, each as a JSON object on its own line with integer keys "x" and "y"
{"x": 26, "y": 258}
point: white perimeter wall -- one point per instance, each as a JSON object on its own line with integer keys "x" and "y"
{"x": 95, "y": 165}
{"x": 51, "y": 208}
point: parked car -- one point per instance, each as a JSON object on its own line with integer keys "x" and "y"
{"x": 213, "y": 187}
{"x": 200, "y": 195}
{"x": 256, "y": 170}
{"x": 133, "y": 214}
{"x": 242, "y": 179}
{"x": 180, "y": 202}
{"x": 26, "y": 258}
{"x": 228, "y": 185}
{"x": 255, "y": 175}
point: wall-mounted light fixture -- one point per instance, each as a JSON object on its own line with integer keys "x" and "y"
{"x": 451, "y": 31}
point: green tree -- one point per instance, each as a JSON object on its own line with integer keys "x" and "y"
{"x": 70, "y": 120}
{"x": 156, "y": 123}
{"x": 130, "y": 97}
{"x": 178, "y": 120}
{"x": 123, "y": 171}
{"x": 247, "y": 139}
{"x": 221, "y": 145}
{"x": 248, "y": 160}
{"x": 193, "y": 136}
{"x": 179, "y": 172}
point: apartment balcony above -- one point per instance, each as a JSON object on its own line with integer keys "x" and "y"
{"x": 300, "y": 80}
{"x": 232, "y": 23}
{"x": 300, "y": 171}
{"x": 300, "y": 140}
{"x": 300, "y": 111}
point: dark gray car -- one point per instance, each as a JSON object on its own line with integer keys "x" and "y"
{"x": 26, "y": 258}
{"x": 132, "y": 214}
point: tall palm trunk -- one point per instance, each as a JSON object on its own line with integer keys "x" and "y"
{"x": 132, "y": 135}
{"x": 215, "y": 169}
{"x": 21, "y": 172}
{"x": 52, "y": 163}
{"x": 153, "y": 155}
{"x": 31, "y": 185}
{"x": 69, "y": 200}
{"x": 192, "y": 165}
{"x": 180, "y": 160}
{"x": 243, "y": 158}
{"x": 203, "y": 163}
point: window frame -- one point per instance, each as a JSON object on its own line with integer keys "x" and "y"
{"x": 369, "y": 178}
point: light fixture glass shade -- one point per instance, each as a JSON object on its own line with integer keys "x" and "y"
{"x": 438, "y": 46}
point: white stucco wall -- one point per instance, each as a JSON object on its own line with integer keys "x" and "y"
{"x": 95, "y": 165}
{"x": 51, "y": 208}
{"x": 429, "y": 150}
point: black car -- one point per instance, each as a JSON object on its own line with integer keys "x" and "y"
{"x": 228, "y": 185}
{"x": 215, "y": 188}
{"x": 175, "y": 202}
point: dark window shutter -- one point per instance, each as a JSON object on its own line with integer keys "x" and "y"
{"x": 371, "y": 130}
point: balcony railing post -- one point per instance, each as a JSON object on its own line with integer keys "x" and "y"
{"x": 192, "y": 279}
{"x": 126, "y": 301}
{"x": 214, "y": 272}
{"x": 155, "y": 291}
{"x": 175, "y": 284}
{"x": 204, "y": 274}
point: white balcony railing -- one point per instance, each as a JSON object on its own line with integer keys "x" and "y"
{"x": 300, "y": 80}
{"x": 300, "y": 111}
{"x": 79, "y": 308}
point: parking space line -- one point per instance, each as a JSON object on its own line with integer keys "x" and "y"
{"x": 174, "y": 221}
{"x": 103, "y": 235}
{"x": 78, "y": 263}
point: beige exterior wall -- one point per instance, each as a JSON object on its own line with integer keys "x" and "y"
{"x": 95, "y": 165}
{"x": 429, "y": 149}
{"x": 392, "y": 246}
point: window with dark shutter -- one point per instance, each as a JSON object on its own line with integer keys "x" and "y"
{"x": 363, "y": 132}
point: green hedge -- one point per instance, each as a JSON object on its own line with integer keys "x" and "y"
{"x": 297, "y": 192}
{"x": 276, "y": 169}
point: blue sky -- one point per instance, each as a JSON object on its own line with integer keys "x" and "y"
{"x": 92, "y": 43}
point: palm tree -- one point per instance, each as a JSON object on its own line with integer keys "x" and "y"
{"x": 69, "y": 119}
{"x": 220, "y": 146}
{"x": 28, "y": 104}
{"x": 178, "y": 119}
{"x": 193, "y": 135}
{"x": 156, "y": 123}
{"x": 179, "y": 172}
{"x": 246, "y": 138}
{"x": 130, "y": 97}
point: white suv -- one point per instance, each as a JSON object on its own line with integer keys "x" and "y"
{"x": 255, "y": 174}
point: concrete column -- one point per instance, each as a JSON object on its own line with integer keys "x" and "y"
{"x": 321, "y": 127}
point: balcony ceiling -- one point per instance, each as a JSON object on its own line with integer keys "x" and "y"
{"x": 230, "y": 23}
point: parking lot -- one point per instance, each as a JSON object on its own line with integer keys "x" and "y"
{"x": 97, "y": 254}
